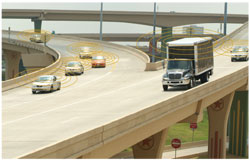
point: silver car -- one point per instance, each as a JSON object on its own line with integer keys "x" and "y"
{"x": 85, "y": 53}
{"x": 239, "y": 53}
{"x": 47, "y": 83}
{"x": 74, "y": 67}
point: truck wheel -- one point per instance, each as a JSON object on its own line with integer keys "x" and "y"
{"x": 204, "y": 77}
{"x": 165, "y": 87}
{"x": 191, "y": 84}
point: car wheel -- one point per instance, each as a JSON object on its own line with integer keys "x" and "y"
{"x": 51, "y": 88}
{"x": 59, "y": 87}
{"x": 165, "y": 87}
{"x": 191, "y": 84}
{"x": 33, "y": 92}
{"x": 232, "y": 59}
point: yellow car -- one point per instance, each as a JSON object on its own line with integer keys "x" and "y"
{"x": 37, "y": 38}
{"x": 47, "y": 83}
{"x": 74, "y": 67}
{"x": 40, "y": 37}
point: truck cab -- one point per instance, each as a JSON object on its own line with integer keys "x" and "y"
{"x": 179, "y": 73}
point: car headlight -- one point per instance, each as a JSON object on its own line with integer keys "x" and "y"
{"x": 46, "y": 85}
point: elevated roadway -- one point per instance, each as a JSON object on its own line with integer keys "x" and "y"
{"x": 164, "y": 19}
{"x": 106, "y": 110}
{"x": 126, "y": 37}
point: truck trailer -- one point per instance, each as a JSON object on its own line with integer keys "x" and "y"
{"x": 189, "y": 60}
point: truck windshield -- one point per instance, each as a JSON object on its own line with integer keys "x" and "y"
{"x": 179, "y": 64}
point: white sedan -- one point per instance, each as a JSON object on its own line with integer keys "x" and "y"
{"x": 74, "y": 67}
{"x": 47, "y": 83}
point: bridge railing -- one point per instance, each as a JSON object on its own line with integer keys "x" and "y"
{"x": 27, "y": 78}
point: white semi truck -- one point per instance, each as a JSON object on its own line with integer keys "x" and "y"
{"x": 189, "y": 60}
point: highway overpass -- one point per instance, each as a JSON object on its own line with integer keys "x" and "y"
{"x": 127, "y": 37}
{"x": 164, "y": 19}
{"x": 108, "y": 110}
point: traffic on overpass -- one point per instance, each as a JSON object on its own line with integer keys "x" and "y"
{"x": 125, "y": 80}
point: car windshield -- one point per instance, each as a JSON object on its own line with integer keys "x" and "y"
{"x": 84, "y": 50}
{"x": 73, "y": 64}
{"x": 179, "y": 64}
{"x": 36, "y": 35}
{"x": 98, "y": 57}
{"x": 44, "y": 78}
{"x": 240, "y": 49}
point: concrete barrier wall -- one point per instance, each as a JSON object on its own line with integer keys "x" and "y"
{"x": 27, "y": 78}
{"x": 230, "y": 36}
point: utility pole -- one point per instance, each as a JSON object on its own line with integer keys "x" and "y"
{"x": 154, "y": 46}
{"x": 225, "y": 19}
{"x": 9, "y": 33}
{"x": 101, "y": 22}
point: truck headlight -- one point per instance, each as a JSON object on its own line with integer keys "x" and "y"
{"x": 165, "y": 77}
{"x": 187, "y": 76}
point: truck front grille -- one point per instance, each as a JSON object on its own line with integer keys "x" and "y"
{"x": 174, "y": 76}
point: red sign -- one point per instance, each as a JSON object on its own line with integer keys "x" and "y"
{"x": 176, "y": 143}
{"x": 193, "y": 125}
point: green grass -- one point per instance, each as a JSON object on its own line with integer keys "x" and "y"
{"x": 184, "y": 133}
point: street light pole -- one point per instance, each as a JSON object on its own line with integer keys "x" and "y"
{"x": 101, "y": 21}
{"x": 154, "y": 46}
{"x": 225, "y": 19}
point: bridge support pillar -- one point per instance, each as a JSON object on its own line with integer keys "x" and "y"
{"x": 218, "y": 117}
{"x": 238, "y": 128}
{"x": 166, "y": 36}
{"x": 12, "y": 60}
{"x": 151, "y": 147}
{"x": 37, "y": 25}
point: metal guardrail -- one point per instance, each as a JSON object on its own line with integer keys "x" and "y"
{"x": 27, "y": 78}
